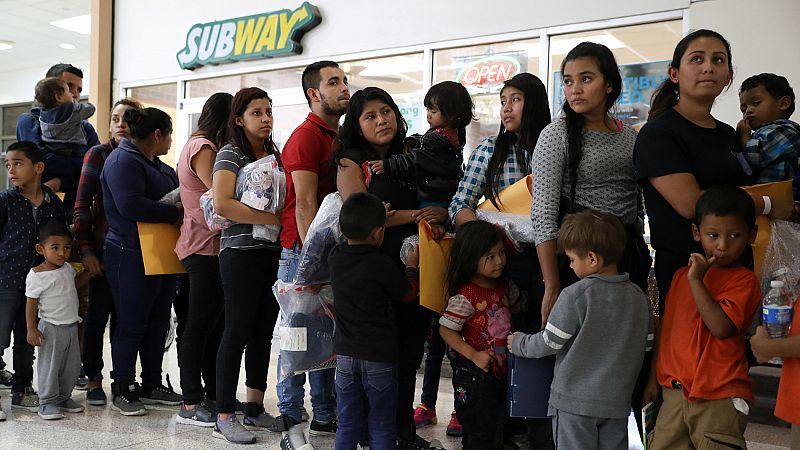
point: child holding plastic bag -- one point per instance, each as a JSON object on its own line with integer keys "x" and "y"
{"x": 365, "y": 283}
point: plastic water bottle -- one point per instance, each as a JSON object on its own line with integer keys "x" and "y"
{"x": 777, "y": 313}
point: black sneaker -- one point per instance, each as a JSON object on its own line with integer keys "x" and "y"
{"x": 199, "y": 416}
{"x": 318, "y": 428}
{"x": 163, "y": 395}
{"x": 418, "y": 443}
{"x": 83, "y": 381}
{"x": 26, "y": 399}
{"x": 125, "y": 400}
{"x": 5, "y": 379}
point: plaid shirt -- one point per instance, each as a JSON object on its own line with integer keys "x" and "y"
{"x": 773, "y": 152}
{"x": 473, "y": 185}
{"x": 89, "y": 218}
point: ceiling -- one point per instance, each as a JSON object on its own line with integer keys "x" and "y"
{"x": 36, "y": 42}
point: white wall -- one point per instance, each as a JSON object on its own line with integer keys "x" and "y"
{"x": 18, "y": 85}
{"x": 347, "y": 27}
{"x": 764, "y": 37}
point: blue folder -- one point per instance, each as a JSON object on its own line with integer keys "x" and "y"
{"x": 529, "y": 382}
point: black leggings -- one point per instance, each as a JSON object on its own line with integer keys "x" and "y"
{"x": 202, "y": 329}
{"x": 413, "y": 322}
{"x": 250, "y": 314}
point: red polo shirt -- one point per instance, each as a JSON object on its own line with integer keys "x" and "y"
{"x": 310, "y": 147}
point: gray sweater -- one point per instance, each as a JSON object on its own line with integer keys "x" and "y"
{"x": 606, "y": 180}
{"x": 599, "y": 330}
{"x": 63, "y": 123}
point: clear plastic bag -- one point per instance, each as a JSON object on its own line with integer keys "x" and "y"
{"x": 261, "y": 185}
{"x": 322, "y": 236}
{"x": 409, "y": 244}
{"x": 214, "y": 221}
{"x": 306, "y": 329}
{"x": 783, "y": 251}
{"x": 172, "y": 197}
{"x": 518, "y": 227}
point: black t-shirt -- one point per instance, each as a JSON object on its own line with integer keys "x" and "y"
{"x": 399, "y": 195}
{"x": 365, "y": 282}
{"x": 670, "y": 144}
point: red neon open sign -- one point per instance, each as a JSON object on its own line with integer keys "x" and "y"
{"x": 488, "y": 71}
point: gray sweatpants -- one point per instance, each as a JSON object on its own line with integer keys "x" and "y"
{"x": 571, "y": 431}
{"x": 58, "y": 362}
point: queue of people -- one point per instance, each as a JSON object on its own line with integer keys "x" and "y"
{"x": 577, "y": 291}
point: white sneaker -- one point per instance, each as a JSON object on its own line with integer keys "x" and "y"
{"x": 295, "y": 439}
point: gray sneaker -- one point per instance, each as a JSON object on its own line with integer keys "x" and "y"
{"x": 50, "y": 412}
{"x": 232, "y": 431}
{"x": 71, "y": 406}
{"x": 27, "y": 399}
{"x": 199, "y": 416}
{"x": 126, "y": 400}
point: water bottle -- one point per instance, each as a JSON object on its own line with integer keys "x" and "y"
{"x": 777, "y": 313}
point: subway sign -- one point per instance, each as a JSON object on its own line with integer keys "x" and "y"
{"x": 265, "y": 35}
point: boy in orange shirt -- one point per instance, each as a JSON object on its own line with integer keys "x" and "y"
{"x": 789, "y": 390}
{"x": 701, "y": 365}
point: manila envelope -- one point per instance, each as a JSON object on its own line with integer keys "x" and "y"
{"x": 158, "y": 248}
{"x": 515, "y": 199}
{"x": 433, "y": 268}
{"x": 780, "y": 191}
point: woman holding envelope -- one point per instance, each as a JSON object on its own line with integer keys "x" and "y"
{"x": 497, "y": 163}
{"x": 134, "y": 180}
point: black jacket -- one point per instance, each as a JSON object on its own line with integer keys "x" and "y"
{"x": 431, "y": 162}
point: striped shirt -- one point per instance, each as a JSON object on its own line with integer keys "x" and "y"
{"x": 473, "y": 184}
{"x": 88, "y": 216}
{"x": 773, "y": 151}
{"x": 599, "y": 330}
{"x": 238, "y": 235}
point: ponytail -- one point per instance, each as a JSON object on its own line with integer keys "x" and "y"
{"x": 143, "y": 122}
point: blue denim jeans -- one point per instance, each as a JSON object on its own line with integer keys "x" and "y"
{"x": 12, "y": 319}
{"x": 366, "y": 393}
{"x": 291, "y": 390}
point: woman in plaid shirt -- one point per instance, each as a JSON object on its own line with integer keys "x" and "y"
{"x": 497, "y": 163}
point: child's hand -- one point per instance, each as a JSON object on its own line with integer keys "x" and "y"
{"x": 376, "y": 166}
{"x": 652, "y": 391}
{"x": 510, "y": 342}
{"x": 412, "y": 260}
{"x": 483, "y": 360}
{"x": 35, "y": 337}
{"x": 760, "y": 344}
{"x": 744, "y": 130}
{"x": 698, "y": 266}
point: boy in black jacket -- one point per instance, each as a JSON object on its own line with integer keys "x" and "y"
{"x": 365, "y": 282}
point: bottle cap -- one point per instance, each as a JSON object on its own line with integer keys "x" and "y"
{"x": 776, "y": 283}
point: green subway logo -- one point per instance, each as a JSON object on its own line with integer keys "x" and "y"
{"x": 264, "y": 35}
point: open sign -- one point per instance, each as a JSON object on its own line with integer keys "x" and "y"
{"x": 491, "y": 70}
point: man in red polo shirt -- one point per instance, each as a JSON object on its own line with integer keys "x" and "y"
{"x": 307, "y": 159}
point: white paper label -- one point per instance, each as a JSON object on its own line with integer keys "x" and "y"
{"x": 294, "y": 339}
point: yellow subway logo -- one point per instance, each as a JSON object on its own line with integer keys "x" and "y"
{"x": 264, "y": 35}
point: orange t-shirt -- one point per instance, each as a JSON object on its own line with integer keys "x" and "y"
{"x": 707, "y": 368}
{"x": 788, "y": 405}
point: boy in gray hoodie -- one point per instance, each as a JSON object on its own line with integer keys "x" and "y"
{"x": 599, "y": 330}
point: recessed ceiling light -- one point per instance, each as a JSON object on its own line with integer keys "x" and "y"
{"x": 6, "y": 45}
{"x": 66, "y": 46}
{"x": 78, "y": 24}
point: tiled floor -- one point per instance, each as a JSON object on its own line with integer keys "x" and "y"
{"x": 101, "y": 428}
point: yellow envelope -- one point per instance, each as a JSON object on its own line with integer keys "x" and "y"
{"x": 515, "y": 199}
{"x": 158, "y": 248}
{"x": 780, "y": 191}
{"x": 433, "y": 268}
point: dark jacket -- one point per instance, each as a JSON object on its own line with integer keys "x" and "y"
{"x": 432, "y": 162}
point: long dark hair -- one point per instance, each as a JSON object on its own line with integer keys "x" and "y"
{"x": 607, "y": 65}
{"x": 350, "y": 135}
{"x": 666, "y": 96}
{"x": 473, "y": 240}
{"x": 236, "y": 135}
{"x": 213, "y": 122}
{"x": 535, "y": 116}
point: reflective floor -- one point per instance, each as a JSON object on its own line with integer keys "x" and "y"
{"x": 101, "y": 428}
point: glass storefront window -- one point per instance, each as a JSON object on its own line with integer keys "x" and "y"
{"x": 643, "y": 53}
{"x": 483, "y": 69}
{"x": 165, "y": 98}
{"x": 401, "y": 76}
